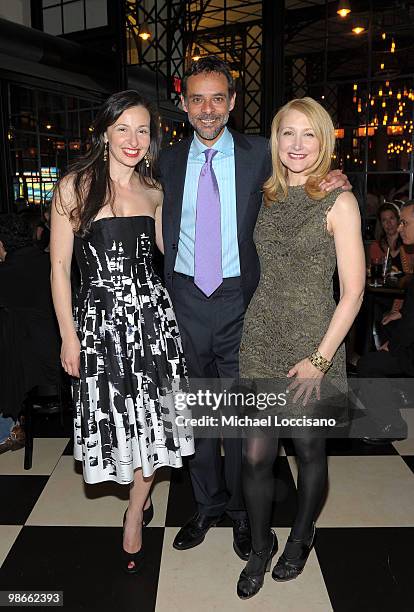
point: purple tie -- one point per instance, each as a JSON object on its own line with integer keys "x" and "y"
{"x": 208, "y": 274}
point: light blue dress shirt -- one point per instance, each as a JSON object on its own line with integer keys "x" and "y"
{"x": 224, "y": 168}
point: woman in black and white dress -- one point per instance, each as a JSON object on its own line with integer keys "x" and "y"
{"x": 122, "y": 347}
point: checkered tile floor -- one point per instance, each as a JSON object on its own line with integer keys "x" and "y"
{"x": 56, "y": 533}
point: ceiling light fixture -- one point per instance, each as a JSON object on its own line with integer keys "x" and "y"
{"x": 344, "y": 8}
{"x": 196, "y": 55}
{"x": 358, "y": 28}
{"x": 144, "y": 31}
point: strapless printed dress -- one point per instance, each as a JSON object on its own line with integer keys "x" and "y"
{"x": 131, "y": 359}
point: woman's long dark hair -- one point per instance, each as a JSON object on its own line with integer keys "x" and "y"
{"x": 380, "y": 232}
{"x": 92, "y": 183}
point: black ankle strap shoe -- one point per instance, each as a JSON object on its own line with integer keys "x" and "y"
{"x": 287, "y": 567}
{"x": 252, "y": 577}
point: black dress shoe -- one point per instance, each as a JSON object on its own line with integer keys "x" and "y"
{"x": 194, "y": 532}
{"x": 252, "y": 577}
{"x": 242, "y": 539}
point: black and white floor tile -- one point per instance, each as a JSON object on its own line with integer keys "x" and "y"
{"x": 56, "y": 533}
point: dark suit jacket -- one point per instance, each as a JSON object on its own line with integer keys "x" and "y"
{"x": 253, "y": 166}
{"x": 401, "y": 333}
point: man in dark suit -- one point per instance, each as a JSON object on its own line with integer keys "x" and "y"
{"x": 395, "y": 359}
{"x": 212, "y": 194}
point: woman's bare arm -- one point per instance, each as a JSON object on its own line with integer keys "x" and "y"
{"x": 61, "y": 249}
{"x": 345, "y": 223}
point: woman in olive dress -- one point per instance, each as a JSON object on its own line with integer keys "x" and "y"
{"x": 293, "y": 328}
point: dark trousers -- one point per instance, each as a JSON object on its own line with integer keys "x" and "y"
{"x": 211, "y": 331}
{"x": 377, "y": 391}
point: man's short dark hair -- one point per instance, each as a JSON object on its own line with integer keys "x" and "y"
{"x": 209, "y": 63}
{"x": 15, "y": 232}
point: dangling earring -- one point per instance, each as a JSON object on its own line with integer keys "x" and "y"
{"x": 147, "y": 158}
{"x": 106, "y": 149}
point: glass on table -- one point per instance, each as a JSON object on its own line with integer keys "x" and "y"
{"x": 377, "y": 272}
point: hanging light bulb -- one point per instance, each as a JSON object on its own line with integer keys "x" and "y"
{"x": 344, "y": 8}
{"x": 358, "y": 29}
{"x": 196, "y": 55}
{"x": 392, "y": 46}
{"x": 383, "y": 36}
{"x": 382, "y": 66}
{"x": 144, "y": 31}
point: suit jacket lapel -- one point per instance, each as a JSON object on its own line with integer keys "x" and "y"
{"x": 243, "y": 167}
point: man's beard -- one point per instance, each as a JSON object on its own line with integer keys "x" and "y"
{"x": 208, "y": 134}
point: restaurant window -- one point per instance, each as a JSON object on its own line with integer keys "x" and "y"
{"x": 65, "y": 16}
{"x": 366, "y": 82}
{"x": 46, "y": 132}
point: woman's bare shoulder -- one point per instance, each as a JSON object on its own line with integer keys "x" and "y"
{"x": 155, "y": 193}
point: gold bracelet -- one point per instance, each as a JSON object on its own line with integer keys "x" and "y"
{"x": 320, "y": 362}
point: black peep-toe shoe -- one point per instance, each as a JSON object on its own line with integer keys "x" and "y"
{"x": 288, "y": 567}
{"x": 252, "y": 577}
{"x": 128, "y": 558}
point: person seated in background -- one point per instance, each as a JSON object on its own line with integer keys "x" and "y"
{"x": 39, "y": 222}
{"x": 387, "y": 236}
{"x": 29, "y": 341}
{"x": 402, "y": 258}
{"x": 394, "y": 359}
{"x": 43, "y": 230}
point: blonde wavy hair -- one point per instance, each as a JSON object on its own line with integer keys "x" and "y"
{"x": 275, "y": 188}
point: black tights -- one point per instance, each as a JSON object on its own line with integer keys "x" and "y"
{"x": 259, "y": 455}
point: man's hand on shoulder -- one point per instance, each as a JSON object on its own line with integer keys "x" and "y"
{"x": 334, "y": 180}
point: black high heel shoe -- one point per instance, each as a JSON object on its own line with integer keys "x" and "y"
{"x": 287, "y": 567}
{"x": 147, "y": 515}
{"x": 252, "y": 577}
{"x": 128, "y": 558}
